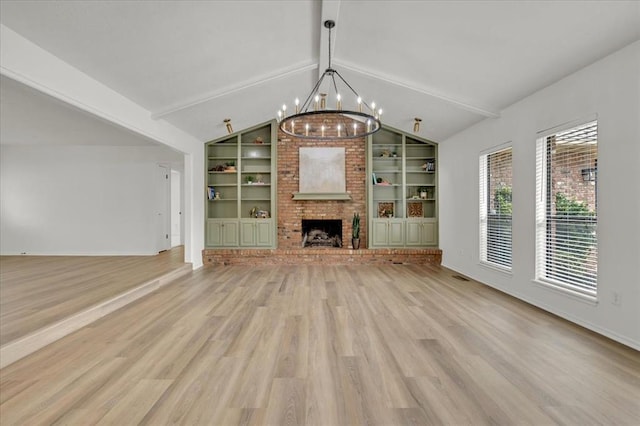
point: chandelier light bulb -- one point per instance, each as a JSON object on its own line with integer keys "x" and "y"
{"x": 317, "y": 99}
{"x": 359, "y": 100}
{"x": 297, "y": 102}
{"x": 339, "y": 102}
{"x": 279, "y": 115}
{"x": 339, "y": 129}
{"x": 306, "y": 129}
{"x": 284, "y": 110}
{"x": 322, "y": 130}
{"x": 373, "y": 107}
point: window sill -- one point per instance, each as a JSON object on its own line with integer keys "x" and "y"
{"x": 497, "y": 268}
{"x": 581, "y": 297}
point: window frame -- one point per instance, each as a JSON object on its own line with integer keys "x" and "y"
{"x": 543, "y": 213}
{"x": 484, "y": 206}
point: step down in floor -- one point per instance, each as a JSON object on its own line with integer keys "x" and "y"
{"x": 26, "y": 345}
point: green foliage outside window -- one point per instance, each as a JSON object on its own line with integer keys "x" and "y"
{"x": 575, "y": 234}
{"x": 503, "y": 200}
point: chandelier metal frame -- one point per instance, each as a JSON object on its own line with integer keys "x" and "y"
{"x": 339, "y": 123}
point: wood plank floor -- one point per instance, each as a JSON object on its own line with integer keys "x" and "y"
{"x": 36, "y": 291}
{"x": 325, "y": 345}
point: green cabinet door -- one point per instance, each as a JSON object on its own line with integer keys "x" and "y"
{"x": 421, "y": 233}
{"x": 230, "y": 233}
{"x": 213, "y": 233}
{"x": 380, "y": 230}
{"x": 264, "y": 232}
{"x": 430, "y": 233}
{"x": 414, "y": 233}
{"x": 248, "y": 233}
{"x": 396, "y": 232}
{"x": 387, "y": 232}
{"x": 256, "y": 233}
{"x": 222, "y": 233}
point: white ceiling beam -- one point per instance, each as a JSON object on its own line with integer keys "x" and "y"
{"x": 483, "y": 111}
{"x": 230, "y": 90}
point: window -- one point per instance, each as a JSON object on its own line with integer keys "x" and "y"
{"x": 566, "y": 209}
{"x": 495, "y": 208}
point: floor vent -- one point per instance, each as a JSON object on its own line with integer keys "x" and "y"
{"x": 460, "y": 277}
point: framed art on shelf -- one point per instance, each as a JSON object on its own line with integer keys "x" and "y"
{"x": 386, "y": 209}
{"x": 414, "y": 209}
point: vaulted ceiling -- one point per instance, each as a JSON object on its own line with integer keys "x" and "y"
{"x": 452, "y": 63}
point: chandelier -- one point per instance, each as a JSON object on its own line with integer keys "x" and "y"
{"x": 315, "y": 119}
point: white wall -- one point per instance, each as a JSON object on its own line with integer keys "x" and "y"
{"x": 23, "y": 61}
{"x": 79, "y": 200}
{"x": 609, "y": 88}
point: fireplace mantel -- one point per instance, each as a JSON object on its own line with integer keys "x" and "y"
{"x": 321, "y": 196}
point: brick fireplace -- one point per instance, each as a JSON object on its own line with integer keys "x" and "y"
{"x": 291, "y": 212}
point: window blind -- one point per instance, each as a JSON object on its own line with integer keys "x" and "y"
{"x": 496, "y": 208}
{"x": 566, "y": 208}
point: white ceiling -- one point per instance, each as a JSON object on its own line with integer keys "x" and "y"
{"x": 452, "y": 63}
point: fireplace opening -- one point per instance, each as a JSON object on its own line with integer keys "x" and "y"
{"x": 321, "y": 233}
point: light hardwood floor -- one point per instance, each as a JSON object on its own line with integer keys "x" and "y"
{"x": 325, "y": 345}
{"x": 36, "y": 291}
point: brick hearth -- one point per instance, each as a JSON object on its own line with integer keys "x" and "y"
{"x": 331, "y": 256}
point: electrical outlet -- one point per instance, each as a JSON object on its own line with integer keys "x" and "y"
{"x": 616, "y": 298}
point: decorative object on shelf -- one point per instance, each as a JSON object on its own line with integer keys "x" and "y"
{"x": 249, "y": 179}
{"x": 424, "y": 167}
{"x": 355, "y": 231}
{"x": 211, "y": 192}
{"x": 217, "y": 196}
{"x": 431, "y": 165}
{"x": 385, "y": 153}
{"x": 258, "y": 213}
{"x": 259, "y": 180}
{"x": 230, "y": 166}
{"x": 385, "y": 209}
{"x": 414, "y": 209}
{"x": 423, "y": 192}
{"x": 258, "y": 141}
{"x": 227, "y": 122}
{"x": 345, "y": 124}
{"x": 382, "y": 181}
{"x": 416, "y": 124}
